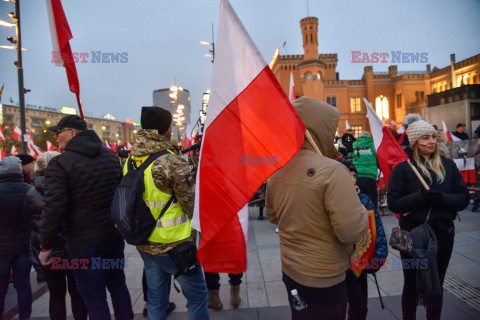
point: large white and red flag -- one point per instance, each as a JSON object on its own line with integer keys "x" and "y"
{"x": 389, "y": 152}
{"x": 17, "y": 133}
{"x": 2, "y": 137}
{"x": 62, "y": 53}
{"x": 450, "y": 137}
{"x": 291, "y": 91}
{"x": 251, "y": 131}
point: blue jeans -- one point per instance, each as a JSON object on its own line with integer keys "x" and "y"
{"x": 159, "y": 270}
{"x": 93, "y": 281}
{"x": 20, "y": 267}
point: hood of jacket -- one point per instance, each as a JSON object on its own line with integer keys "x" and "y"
{"x": 86, "y": 142}
{"x": 39, "y": 181}
{"x": 149, "y": 141}
{"x": 321, "y": 120}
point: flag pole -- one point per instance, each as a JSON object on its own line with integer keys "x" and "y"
{"x": 312, "y": 142}
{"x": 80, "y": 106}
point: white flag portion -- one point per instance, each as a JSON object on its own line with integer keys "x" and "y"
{"x": 450, "y": 137}
{"x": 251, "y": 131}
{"x": 50, "y": 146}
{"x": 14, "y": 151}
{"x": 347, "y": 125}
{"x": 129, "y": 146}
{"x": 17, "y": 133}
{"x": 291, "y": 91}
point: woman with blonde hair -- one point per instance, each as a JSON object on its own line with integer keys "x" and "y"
{"x": 58, "y": 280}
{"x": 438, "y": 206}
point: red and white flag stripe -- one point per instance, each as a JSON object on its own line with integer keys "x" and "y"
{"x": 389, "y": 152}
{"x": 291, "y": 92}
{"x": 16, "y": 133}
{"x": 50, "y": 146}
{"x": 14, "y": 151}
{"x": 2, "y": 137}
{"x": 450, "y": 137}
{"x": 249, "y": 116}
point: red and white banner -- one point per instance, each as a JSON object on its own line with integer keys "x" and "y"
{"x": 467, "y": 169}
{"x": 61, "y": 35}
{"x": 389, "y": 152}
{"x": 17, "y": 133}
{"x": 249, "y": 118}
{"x": 291, "y": 92}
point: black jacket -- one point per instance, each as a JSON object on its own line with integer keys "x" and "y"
{"x": 79, "y": 187}
{"x": 405, "y": 195}
{"x": 14, "y": 225}
{"x": 34, "y": 203}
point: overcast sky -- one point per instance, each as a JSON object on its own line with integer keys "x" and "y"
{"x": 162, "y": 41}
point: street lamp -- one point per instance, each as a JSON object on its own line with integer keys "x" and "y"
{"x": 212, "y": 51}
{"x": 18, "y": 45}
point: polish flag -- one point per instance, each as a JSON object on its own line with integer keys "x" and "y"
{"x": 62, "y": 53}
{"x": 347, "y": 125}
{"x": 14, "y": 151}
{"x": 249, "y": 116}
{"x": 389, "y": 152}
{"x": 16, "y": 134}
{"x": 129, "y": 146}
{"x": 113, "y": 147}
{"x": 3, "y": 154}
{"x": 106, "y": 145}
{"x": 187, "y": 141}
{"x": 450, "y": 137}
{"x": 34, "y": 149}
{"x": 50, "y": 146}
{"x": 2, "y": 137}
{"x": 120, "y": 143}
{"x": 291, "y": 91}
{"x": 401, "y": 130}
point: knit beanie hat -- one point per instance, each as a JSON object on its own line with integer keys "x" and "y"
{"x": 410, "y": 118}
{"x": 417, "y": 129}
{"x": 156, "y": 118}
{"x": 10, "y": 165}
{"x": 25, "y": 158}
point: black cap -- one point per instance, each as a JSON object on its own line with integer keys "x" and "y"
{"x": 460, "y": 125}
{"x": 156, "y": 118}
{"x": 25, "y": 158}
{"x": 70, "y": 121}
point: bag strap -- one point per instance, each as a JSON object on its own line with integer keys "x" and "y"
{"x": 167, "y": 205}
{"x": 150, "y": 159}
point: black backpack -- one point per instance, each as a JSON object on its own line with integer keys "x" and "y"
{"x": 131, "y": 215}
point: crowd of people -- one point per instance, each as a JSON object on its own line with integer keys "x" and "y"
{"x": 56, "y": 211}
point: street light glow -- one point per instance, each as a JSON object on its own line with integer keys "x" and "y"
{"x": 181, "y": 106}
{"x": 12, "y": 47}
{"x": 173, "y": 88}
{"x": 6, "y": 24}
{"x": 205, "y": 43}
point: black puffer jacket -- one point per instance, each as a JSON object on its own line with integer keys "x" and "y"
{"x": 34, "y": 204}
{"x": 79, "y": 187}
{"x": 405, "y": 195}
{"x": 14, "y": 225}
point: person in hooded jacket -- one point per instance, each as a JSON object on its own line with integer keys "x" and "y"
{"x": 14, "y": 236}
{"x": 319, "y": 216}
{"x": 79, "y": 188}
{"x": 58, "y": 280}
{"x": 448, "y": 194}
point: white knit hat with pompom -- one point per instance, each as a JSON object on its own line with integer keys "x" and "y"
{"x": 417, "y": 129}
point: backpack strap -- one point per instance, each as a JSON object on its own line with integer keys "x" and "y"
{"x": 167, "y": 205}
{"x": 132, "y": 165}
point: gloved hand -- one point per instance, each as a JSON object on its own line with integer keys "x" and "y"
{"x": 433, "y": 197}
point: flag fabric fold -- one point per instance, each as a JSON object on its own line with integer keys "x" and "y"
{"x": 389, "y": 152}
{"x": 61, "y": 35}
{"x": 251, "y": 131}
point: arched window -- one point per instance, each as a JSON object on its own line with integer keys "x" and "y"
{"x": 311, "y": 37}
{"x": 381, "y": 107}
{"x": 465, "y": 79}
{"x": 459, "y": 81}
{"x": 444, "y": 86}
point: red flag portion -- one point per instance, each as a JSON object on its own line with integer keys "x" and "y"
{"x": 50, "y": 146}
{"x": 389, "y": 152}
{"x": 2, "y": 137}
{"x": 251, "y": 131}
{"x": 3, "y": 154}
{"x": 61, "y": 35}
{"x": 16, "y": 133}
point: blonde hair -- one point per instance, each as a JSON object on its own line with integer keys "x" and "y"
{"x": 434, "y": 163}
{"x": 44, "y": 159}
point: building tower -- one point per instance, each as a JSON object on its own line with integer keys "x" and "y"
{"x": 312, "y": 70}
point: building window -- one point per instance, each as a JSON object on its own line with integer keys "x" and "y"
{"x": 332, "y": 101}
{"x": 459, "y": 81}
{"x": 381, "y": 107}
{"x": 399, "y": 100}
{"x": 355, "y": 105}
{"x": 357, "y": 130}
{"x": 419, "y": 95}
{"x": 465, "y": 79}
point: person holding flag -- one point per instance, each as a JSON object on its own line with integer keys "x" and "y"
{"x": 319, "y": 216}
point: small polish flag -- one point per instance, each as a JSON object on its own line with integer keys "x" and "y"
{"x": 14, "y": 151}
{"x": 347, "y": 125}
{"x": 249, "y": 115}
{"x": 16, "y": 133}
{"x": 389, "y": 152}
{"x": 120, "y": 143}
{"x": 2, "y": 137}
{"x": 187, "y": 141}
{"x": 50, "y": 146}
{"x": 106, "y": 145}
{"x": 291, "y": 91}
{"x": 450, "y": 137}
{"x": 129, "y": 146}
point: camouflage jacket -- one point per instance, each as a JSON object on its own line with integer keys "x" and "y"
{"x": 169, "y": 175}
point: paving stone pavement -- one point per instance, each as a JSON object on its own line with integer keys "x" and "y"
{"x": 264, "y": 296}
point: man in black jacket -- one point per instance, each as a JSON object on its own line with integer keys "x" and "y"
{"x": 79, "y": 187}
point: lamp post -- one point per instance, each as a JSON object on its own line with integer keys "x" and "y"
{"x": 212, "y": 52}
{"x": 21, "y": 93}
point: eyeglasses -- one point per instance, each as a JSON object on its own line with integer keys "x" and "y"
{"x": 56, "y": 133}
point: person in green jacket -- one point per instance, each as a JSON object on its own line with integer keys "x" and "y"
{"x": 364, "y": 158}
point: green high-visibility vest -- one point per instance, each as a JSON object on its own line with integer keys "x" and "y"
{"x": 174, "y": 224}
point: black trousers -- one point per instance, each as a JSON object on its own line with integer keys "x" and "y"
{"x": 357, "y": 293}
{"x": 369, "y": 187}
{"x": 323, "y": 303}
{"x": 58, "y": 281}
{"x": 213, "y": 279}
{"x": 445, "y": 238}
